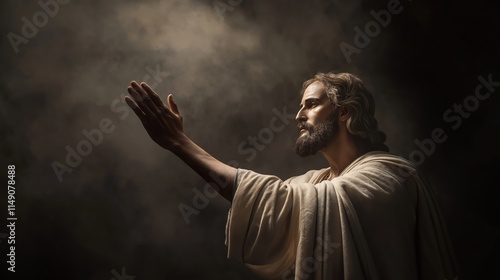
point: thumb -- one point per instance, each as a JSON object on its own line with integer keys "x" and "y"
{"x": 172, "y": 104}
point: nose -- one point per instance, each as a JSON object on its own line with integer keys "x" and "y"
{"x": 300, "y": 117}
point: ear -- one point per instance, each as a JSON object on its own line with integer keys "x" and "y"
{"x": 343, "y": 114}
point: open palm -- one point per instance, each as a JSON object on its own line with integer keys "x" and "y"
{"x": 163, "y": 123}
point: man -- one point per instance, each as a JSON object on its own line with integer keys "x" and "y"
{"x": 369, "y": 215}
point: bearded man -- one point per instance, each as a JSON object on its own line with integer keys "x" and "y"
{"x": 369, "y": 215}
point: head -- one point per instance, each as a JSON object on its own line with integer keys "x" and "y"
{"x": 331, "y": 101}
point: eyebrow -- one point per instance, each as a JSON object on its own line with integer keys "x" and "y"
{"x": 309, "y": 100}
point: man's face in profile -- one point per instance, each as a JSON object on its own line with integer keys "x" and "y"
{"x": 318, "y": 123}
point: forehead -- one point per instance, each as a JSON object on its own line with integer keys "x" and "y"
{"x": 314, "y": 90}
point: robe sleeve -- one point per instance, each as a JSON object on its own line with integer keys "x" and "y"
{"x": 265, "y": 219}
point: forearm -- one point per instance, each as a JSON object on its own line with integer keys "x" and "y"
{"x": 164, "y": 125}
{"x": 218, "y": 174}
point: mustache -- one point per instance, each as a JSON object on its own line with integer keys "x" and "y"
{"x": 305, "y": 125}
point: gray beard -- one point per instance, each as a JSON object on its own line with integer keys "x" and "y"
{"x": 317, "y": 137}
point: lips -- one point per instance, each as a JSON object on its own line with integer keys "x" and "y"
{"x": 302, "y": 130}
{"x": 303, "y": 127}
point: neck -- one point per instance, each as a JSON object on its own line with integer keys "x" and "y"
{"x": 341, "y": 152}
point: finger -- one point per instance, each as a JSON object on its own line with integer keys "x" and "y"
{"x": 157, "y": 100}
{"x": 136, "y": 109}
{"x": 135, "y": 96}
{"x": 172, "y": 104}
{"x": 147, "y": 99}
{"x": 154, "y": 96}
{"x": 140, "y": 100}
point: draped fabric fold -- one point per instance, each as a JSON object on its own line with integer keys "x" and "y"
{"x": 377, "y": 220}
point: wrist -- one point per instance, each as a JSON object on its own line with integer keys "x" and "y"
{"x": 180, "y": 144}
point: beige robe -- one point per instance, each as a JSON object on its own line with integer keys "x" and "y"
{"x": 377, "y": 220}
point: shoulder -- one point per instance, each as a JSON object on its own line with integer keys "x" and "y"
{"x": 382, "y": 158}
{"x": 381, "y": 175}
{"x": 378, "y": 163}
{"x": 309, "y": 177}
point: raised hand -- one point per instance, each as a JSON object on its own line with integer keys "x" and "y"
{"x": 163, "y": 123}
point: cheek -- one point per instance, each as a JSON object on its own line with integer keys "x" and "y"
{"x": 319, "y": 115}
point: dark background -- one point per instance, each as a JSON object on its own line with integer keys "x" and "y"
{"x": 119, "y": 208}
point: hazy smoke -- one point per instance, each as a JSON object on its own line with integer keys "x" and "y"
{"x": 119, "y": 206}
